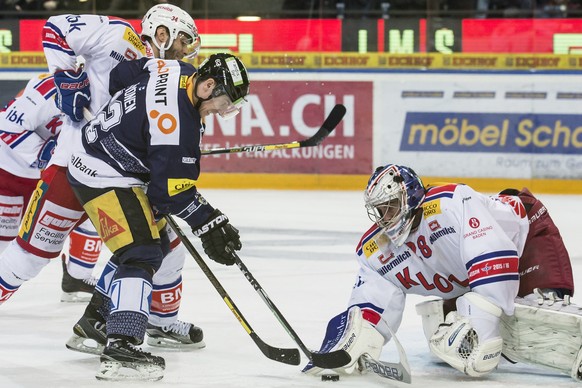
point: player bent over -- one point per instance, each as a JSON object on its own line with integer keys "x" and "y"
{"x": 149, "y": 135}
{"x": 498, "y": 263}
{"x": 167, "y": 32}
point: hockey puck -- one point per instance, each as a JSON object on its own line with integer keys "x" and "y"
{"x": 329, "y": 377}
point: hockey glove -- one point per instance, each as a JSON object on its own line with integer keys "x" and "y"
{"x": 217, "y": 235}
{"x": 73, "y": 92}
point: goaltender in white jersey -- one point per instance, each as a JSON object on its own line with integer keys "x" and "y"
{"x": 497, "y": 263}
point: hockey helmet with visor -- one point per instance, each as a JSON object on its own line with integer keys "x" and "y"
{"x": 232, "y": 83}
{"x": 180, "y": 26}
{"x": 392, "y": 196}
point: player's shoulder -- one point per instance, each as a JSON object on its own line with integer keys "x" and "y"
{"x": 43, "y": 84}
{"x": 367, "y": 244}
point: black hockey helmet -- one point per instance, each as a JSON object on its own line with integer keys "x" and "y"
{"x": 230, "y": 74}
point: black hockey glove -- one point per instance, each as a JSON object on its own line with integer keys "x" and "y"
{"x": 216, "y": 235}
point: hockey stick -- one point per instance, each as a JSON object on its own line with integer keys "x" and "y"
{"x": 287, "y": 356}
{"x": 399, "y": 371}
{"x": 335, "y": 116}
{"x": 329, "y": 360}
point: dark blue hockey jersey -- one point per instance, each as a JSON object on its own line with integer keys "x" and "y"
{"x": 148, "y": 134}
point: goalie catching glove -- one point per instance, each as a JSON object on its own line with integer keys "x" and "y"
{"x": 217, "y": 234}
{"x": 472, "y": 343}
{"x": 73, "y": 93}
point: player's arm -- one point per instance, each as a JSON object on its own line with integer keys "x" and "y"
{"x": 375, "y": 304}
{"x": 64, "y": 39}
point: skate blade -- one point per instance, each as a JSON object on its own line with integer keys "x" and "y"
{"x": 84, "y": 345}
{"x": 129, "y": 371}
{"x": 174, "y": 345}
{"x": 75, "y": 297}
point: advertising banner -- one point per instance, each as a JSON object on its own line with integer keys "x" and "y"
{"x": 286, "y": 111}
{"x": 481, "y": 125}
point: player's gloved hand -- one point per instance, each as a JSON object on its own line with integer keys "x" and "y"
{"x": 217, "y": 234}
{"x": 73, "y": 92}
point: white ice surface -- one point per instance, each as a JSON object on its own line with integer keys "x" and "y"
{"x": 299, "y": 245}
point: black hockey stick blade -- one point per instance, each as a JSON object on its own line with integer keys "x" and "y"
{"x": 333, "y": 119}
{"x": 335, "y": 116}
{"x": 329, "y": 360}
{"x": 284, "y": 355}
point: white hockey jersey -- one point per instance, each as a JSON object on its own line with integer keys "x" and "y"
{"x": 103, "y": 42}
{"x": 29, "y": 126}
{"x": 465, "y": 241}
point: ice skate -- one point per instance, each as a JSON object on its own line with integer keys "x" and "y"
{"x": 178, "y": 335}
{"x": 76, "y": 290}
{"x": 122, "y": 361}
{"x": 89, "y": 336}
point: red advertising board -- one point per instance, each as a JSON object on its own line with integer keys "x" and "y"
{"x": 286, "y": 111}
{"x": 322, "y": 35}
{"x": 408, "y": 35}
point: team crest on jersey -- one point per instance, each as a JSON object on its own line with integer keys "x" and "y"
{"x": 176, "y": 186}
{"x": 431, "y": 208}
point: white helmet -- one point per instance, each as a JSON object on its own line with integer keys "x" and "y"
{"x": 177, "y": 21}
{"x": 392, "y": 196}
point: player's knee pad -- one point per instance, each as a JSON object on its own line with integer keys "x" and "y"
{"x": 432, "y": 314}
{"x": 17, "y": 266}
{"x": 84, "y": 250}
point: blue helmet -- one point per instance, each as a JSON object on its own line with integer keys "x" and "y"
{"x": 392, "y": 195}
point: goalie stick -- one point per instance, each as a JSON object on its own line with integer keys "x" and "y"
{"x": 329, "y": 360}
{"x": 399, "y": 371}
{"x": 287, "y": 356}
{"x": 335, "y": 116}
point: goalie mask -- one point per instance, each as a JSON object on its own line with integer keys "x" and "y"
{"x": 179, "y": 24}
{"x": 232, "y": 81}
{"x": 391, "y": 197}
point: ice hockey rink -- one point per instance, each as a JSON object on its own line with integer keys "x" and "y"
{"x": 300, "y": 246}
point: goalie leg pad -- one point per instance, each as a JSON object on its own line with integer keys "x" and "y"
{"x": 546, "y": 332}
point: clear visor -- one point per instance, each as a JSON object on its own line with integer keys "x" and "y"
{"x": 190, "y": 44}
{"x": 225, "y": 107}
{"x": 223, "y": 104}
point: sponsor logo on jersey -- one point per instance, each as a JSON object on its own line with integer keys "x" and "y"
{"x": 431, "y": 208}
{"x": 477, "y": 233}
{"x": 108, "y": 228}
{"x": 57, "y": 222}
{"x": 188, "y": 160}
{"x": 370, "y": 247}
{"x": 176, "y": 186}
{"x": 443, "y": 232}
{"x": 166, "y": 123}
{"x": 8, "y": 210}
{"x": 434, "y": 225}
{"x": 183, "y": 81}
{"x": 394, "y": 263}
{"x": 130, "y": 36}
{"x": 79, "y": 165}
